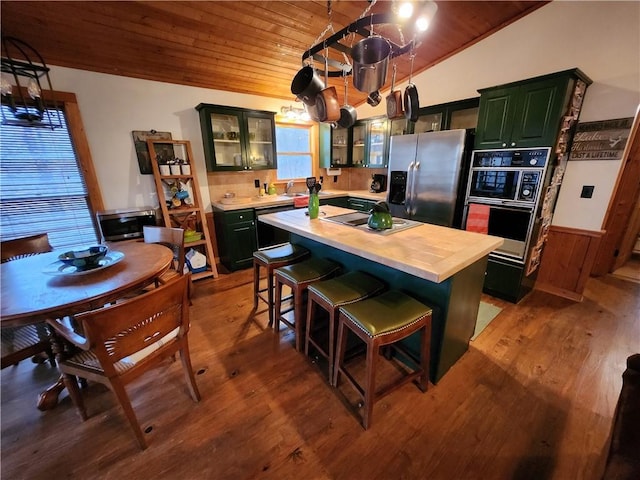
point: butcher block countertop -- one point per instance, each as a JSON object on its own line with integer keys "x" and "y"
{"x": 427, "y": 251}
{"x": 265, "y": 201}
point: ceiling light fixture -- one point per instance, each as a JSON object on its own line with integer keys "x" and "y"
{"x": 293, "y": 114}
{"x": 23, "y": 63}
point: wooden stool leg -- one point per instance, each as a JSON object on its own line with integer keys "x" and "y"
{"x": 423, "y": 381}
{"x": 256, "y": 283}
{"x": 342, "y": 343}
{"x": 310, "y": 314}
{"x": 332, "y": 343}
{"x": 278, "y": 305}
{"x": 270, "y": 294}
{"x": 297, "y": 315}
{"x": 373, "y": 349}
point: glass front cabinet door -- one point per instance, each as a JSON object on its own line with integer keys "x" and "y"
{"x": 370, "y": 139}
{"x": 339, "y": 147}
{"x": 236, "y": 138}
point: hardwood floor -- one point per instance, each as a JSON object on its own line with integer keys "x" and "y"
{"x": 533, "y": 398}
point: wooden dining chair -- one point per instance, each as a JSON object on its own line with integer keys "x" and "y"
{"x": 22, "y": 342}
{"x": 123, "y": 341}
{"x": 172, "y": 238}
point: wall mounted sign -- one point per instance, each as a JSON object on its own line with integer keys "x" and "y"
{"x": 140, "y": 138}
{"x": 602, "y": 140}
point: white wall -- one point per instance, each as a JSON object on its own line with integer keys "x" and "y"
{"x": 112, "y": 107}
{"x": 601, "y": 38}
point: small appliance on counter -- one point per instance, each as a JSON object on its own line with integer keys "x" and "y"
{"x": 379, "y": 183}
{"x": 125, "y": 224}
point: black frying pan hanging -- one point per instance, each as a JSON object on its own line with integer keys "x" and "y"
{"x": 411, "y": 102}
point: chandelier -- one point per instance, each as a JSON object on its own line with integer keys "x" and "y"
{"x": 24, "y": 82}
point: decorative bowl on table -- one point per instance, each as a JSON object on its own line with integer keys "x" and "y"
{"x": 85, "y": 259}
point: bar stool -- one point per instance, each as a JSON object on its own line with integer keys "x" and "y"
{"x": 298, "y": 277}
{"x": 331, "y": 295}
{"x": 378, "y": 321}
{"x": 272, "y": 258}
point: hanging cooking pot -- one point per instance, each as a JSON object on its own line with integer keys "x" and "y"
{"x": 327, "y": 105}
{"x": 312, "y": 111}
{"x": 348, "y": 114}
{"x": 394, "y": 99}
{"x": 306, "y": 85}
{"x": 374, "y": 98}
{"x": 411, "y": 102}
{"x": 370, "y": 61}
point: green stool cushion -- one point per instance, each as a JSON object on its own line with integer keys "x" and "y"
{"x": 281, "y": 253}
{"x": 347, "y": 288}
{"x": 308, "y": 270}
{"x": 385, "y": 313}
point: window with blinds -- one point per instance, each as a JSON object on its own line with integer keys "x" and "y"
{"x": 41, "y": 186}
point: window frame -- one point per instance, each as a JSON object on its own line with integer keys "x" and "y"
{"x": 314, "y": 148}
{"x": 68, "y": 102}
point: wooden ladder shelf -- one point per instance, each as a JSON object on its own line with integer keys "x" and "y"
{"x": 186, "y": 213}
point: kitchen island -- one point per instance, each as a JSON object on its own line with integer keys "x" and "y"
{"x": 440, "y": 266}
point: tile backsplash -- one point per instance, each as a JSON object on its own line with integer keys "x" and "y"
{"x": 242, "y": 183}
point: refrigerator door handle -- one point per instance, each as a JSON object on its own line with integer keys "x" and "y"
{"x": 414, "y": 194}
{"x": 407, "y": 200}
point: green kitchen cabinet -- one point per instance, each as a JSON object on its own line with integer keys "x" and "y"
{"x": 237, "y": 139}
{"x": 365, "y": 144}
{"x": 370, "y": 143}
{"x": 526, "y": 113}
{"x": 448, "y": 116}
{"x": 335, "y": 151}
{"x": 361, "y": 204}
{"x": 236, "y": 236}
{"x": 340, "y": 152}
{"x": 335, "y": 201}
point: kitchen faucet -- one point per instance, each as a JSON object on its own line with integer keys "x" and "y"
{"x": 289, "y": 185}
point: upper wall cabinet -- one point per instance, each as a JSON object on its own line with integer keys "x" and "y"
{"x": 524, "y": 114}
{"x": 365, "y": 144}
{"x": 237, "y": 138}
{"x": 448, "y": 116}
{"x": 370, "y": 143}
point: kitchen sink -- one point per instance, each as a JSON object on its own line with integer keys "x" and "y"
{"x": 296, "y": 194}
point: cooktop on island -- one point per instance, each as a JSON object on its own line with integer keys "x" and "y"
{"x": 359, "y": 220}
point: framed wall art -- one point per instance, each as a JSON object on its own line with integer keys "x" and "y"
{"x": 140, "y": 138}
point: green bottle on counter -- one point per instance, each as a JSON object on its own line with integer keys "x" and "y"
{"x": 314, "y": 205}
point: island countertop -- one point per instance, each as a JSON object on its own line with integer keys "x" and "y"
{"x": 427, "y": 251}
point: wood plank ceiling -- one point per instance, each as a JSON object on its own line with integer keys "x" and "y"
{"x": 250, "y": 47}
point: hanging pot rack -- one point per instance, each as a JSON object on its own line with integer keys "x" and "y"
{"x": 363, "y": 27}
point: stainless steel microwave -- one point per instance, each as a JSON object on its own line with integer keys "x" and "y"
{"x": 125, "y": 224}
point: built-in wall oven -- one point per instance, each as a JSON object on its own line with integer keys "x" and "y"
{"x": 503, "y": 193}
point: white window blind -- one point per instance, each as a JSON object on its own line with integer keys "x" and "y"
{"x": 42, "y": 189}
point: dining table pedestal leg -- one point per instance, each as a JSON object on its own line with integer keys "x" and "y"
{"x": 49, "y": 398}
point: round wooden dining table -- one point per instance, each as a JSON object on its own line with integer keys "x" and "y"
{"x": 33, "y": 292}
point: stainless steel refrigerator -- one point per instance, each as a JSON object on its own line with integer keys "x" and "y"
{"x": 427, "y": 176}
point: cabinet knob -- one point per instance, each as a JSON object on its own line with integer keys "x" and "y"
{"x": 241, "y": 216}
{"x": 504, "y": 144}
{"x": 513, "y": 144}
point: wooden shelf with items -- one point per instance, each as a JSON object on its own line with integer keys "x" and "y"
{"x": 179, "y": 198}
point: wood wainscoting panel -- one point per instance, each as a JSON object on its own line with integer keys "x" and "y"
{"x": 567, "y": 260}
